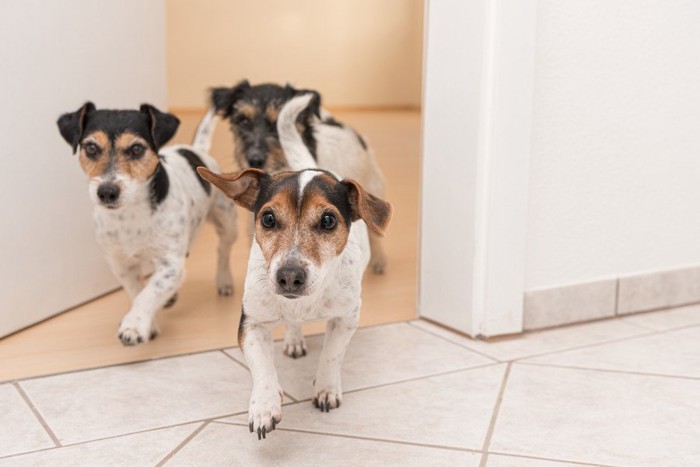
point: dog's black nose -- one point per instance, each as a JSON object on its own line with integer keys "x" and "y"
{"x": 256, "y": 163}
{"x": 108, "y": 193}
{"x": 291, "y": 279}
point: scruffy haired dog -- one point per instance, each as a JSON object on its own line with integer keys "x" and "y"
{"x": 252, "y": 112}
{"x": 149, "y": 204}
{"x": 310, "y": 250}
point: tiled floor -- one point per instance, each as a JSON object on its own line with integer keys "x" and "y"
{"x": 617, "y": 392}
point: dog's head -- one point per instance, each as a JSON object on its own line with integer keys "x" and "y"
{"x": 252, "y": 112}
{"x": 118, "y": 148}
{"x": 302, "y": 221}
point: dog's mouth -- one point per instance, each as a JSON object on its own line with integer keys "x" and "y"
{"x": 291, "y": 296}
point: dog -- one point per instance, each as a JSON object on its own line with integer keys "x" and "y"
{"x": 149, "y": 203}
{"x": 310, "y": 250}
{"x": 253, "y": 111}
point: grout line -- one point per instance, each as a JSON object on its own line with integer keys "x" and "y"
{"x": 410, "y": 380}
{"x": 148, "y": 430}
{"x": 524, "y": 456}
{"x": 293, "y": 399}
{"x": 364, "y": 438}
{"x": 455, "y": 343}
{"x": 223, "y": 351}
{"x": 182, "y": 444}
{"x": 607, "y": 370}
{"x": 36, "y": 413}
{"x": 494, "y": 416}
{"x": 584, "y": 346}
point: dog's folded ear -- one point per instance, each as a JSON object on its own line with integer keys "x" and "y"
{"x": 72, "y": 124}
{"x": 242, "y": 187}
{"x": 163, "y": 125}
{"x": 223, "y": 98}
{"x": 374, "y": 211}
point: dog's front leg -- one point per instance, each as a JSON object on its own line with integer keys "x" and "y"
{"x": 128, "y": 274}
{"x": 327, "y": 388}
{"x": 265, "y": 408}
{"x": 138, "y": 326}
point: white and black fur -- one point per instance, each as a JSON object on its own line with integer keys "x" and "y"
{"x": 252, "y": 113}
{"x": 310, "y": 251}
{"x": 149, "y": 203}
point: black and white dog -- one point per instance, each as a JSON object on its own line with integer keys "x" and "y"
{"x": 149, "y": 204}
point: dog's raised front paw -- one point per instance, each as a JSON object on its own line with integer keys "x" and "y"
{"x": 133, "y": 331}
{"x": 264, "y": 411}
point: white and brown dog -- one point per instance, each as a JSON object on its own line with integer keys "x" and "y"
{"x": 309, "y": 253}
{"x": 149, "y": 204}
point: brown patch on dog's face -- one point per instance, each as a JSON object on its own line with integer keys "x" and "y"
{"x": 135, "y": 159}
{"x": 127, "y": 154}
{"x": 97, "y": 145}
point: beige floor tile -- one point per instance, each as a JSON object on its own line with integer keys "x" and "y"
{"x": 674, "y": 353}
{"x": 451, "y": 410}
{"x": 540, "y": 342}
{"x": 140, "y": 449}
{"x": 496, "y": 460}
{"x": 376, "y": 355}
{"x": 666, "y": 319}
{"x": 599, "y": 417}
{"x": 124, "y": 399}
{"x": 20, "y": 431}
{"x": 230, "y": 445}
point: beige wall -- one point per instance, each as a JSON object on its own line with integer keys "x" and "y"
{"x": 358, "y": 53}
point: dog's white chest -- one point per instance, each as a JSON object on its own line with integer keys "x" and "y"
{"x": 128, "y": 232}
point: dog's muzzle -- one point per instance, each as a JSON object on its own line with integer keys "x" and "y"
{"x": 108, "y": 194}
{"x": 291, "y": 280}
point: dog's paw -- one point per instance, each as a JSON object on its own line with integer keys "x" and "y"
{"x": 294, "y": 343}
{"x": 133, "y": 331}
{"x": 264, "y": 411}
{"x": 378, "y": 265}
{"x": 295, "y": 349}
{"x": 327, "y": 399}
{"x": 171, "y": 302}
{"x": 224, "y": 285}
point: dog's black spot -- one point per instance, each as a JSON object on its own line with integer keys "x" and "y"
{"x": 159, "y": 186}
{"x": 333, "y": 122}
{"x": 361, "y": 140}
{"x": 195, "y": 161}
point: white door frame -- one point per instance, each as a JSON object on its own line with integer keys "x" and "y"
{"x": 478, "y": 85}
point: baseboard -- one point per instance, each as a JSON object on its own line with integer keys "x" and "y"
{"x": 544, "y": 308}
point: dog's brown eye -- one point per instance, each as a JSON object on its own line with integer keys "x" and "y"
{"x": 244, "y": 122}
{"x": 91, "y": 149}
{"x": 136, "y": 151}
{"x": 328, "y": 222}
{"x": 268, "y": 220}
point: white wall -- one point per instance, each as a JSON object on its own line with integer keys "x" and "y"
{"x": 56, "y": 55}
{"x": 358, "y": 53}
{"x": 615, "y": 169}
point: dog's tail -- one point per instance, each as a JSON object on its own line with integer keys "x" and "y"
{"x": 298, "y": 155}
{"x": 205, "y": 130}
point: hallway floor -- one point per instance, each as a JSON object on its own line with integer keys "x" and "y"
{"x": 616, "y": 392}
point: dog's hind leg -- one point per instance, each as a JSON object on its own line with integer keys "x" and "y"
{"x": 223, "y": 215}
{"x": 294, "y": 343}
